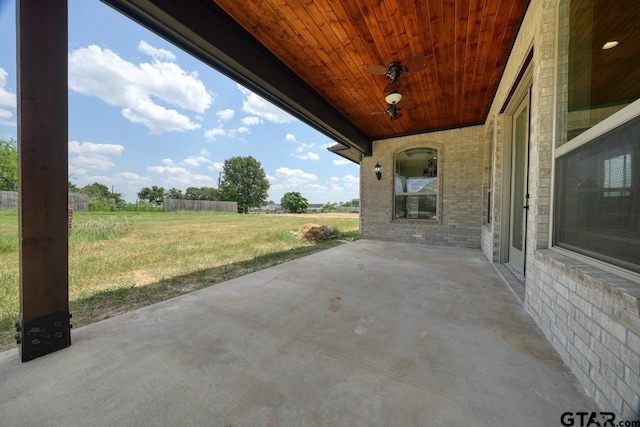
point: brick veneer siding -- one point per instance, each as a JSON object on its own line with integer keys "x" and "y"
{"x": 592, "y": 319}
{"x": 590, "y": 316}
{"x": 460, "y": 175}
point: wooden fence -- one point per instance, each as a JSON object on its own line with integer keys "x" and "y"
{"x": 9, "y": 200}
{"x": 79, "y": 202}
{"x": 172, "y": 205}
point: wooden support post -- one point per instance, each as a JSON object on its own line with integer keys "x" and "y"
{"x": 42, "y": 157}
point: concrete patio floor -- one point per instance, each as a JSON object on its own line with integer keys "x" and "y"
{"x": 366, "y": 334}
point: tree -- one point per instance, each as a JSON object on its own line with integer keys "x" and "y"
{"x": 244, "y": 182}
{"x": 352, "y": 203}
{"x": 294, "y": 202}
{"x": 202, "y": 193}
{"x": 174, "y": 193}
{"x": 8, "y": 165}
{"x": 153, "y": 195}
{"x": 72, "y": 188}
{"x": 96, "y": 191}
{"x": 101, "y": 198}
{"x": 328, "y": 207}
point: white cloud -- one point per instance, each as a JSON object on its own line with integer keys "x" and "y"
{"x": 315, "y": 187}
{"x": 290, "y": 137}
{"x": 327, "y": 145}
{"x": 307, "y": 156}
{"x": 335, "y": 179}
{"x": 191, "y": 162}
{"x": 302, "y": 147}
{"x": 251, "y": 121}
{"x": 225, "y": 114}
{"x": 88, "y": 157}
{"x": 196, "y": 160}
{"x": 212, "y": 133}
{"x": 102, "y": 73}
{"x": 294, "y": 176}
{"x": 257, "y": 106}
{"x": 243, "y": 129}
{"x": 216, "y": 166}
{"x": 204, "y": 152}
{"x": 158, "y": 119}
{"x": 95, "y": 163}
{"x": 130, "y": 176}
{"x": 95, "y": 149}
{"x": 341, "y": 162}
{"x": 179, "y": 176}
{"x": 7, "y": 99}
{"x": 351, "y": 182}
{"x": 168, "y": 162}
{"x": 155, "y": 53}
{"x": 270, "y": 178}
{"x": 6, "y": 118}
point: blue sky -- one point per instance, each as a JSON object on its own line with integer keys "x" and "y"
{"x": 142, "y": 112}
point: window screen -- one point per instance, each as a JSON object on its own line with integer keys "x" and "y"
{"x": 598, "y": 197}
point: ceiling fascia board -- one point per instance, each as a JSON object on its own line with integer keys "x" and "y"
{"x": 204, "y": 30}
{"x": 346, "y": 152}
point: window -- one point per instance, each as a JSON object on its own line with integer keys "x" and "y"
{"x": 597, "y": 203}
{"x": 416, "y": 184}
{"x": 597, "y": 156}
{"x": 617, "y": 175}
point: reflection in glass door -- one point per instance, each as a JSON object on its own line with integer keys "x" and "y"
{"x": 519, "y": 184}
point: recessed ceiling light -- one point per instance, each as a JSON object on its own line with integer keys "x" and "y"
{"x": 610, "y": 44}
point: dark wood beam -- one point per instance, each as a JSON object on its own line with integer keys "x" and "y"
{"x": 203, "y": 29}
{"x": 42, "y": 157}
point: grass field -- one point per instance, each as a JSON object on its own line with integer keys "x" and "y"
{"x": 122, "y": 261}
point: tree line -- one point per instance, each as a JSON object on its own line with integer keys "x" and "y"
{"x": 243, "y": 180}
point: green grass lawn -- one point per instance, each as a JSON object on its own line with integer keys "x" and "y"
{"x": 122, "y": 261}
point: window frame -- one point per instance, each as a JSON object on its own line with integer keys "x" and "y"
{"x": 437, "y": 219}
{"x": 617, "y": 119}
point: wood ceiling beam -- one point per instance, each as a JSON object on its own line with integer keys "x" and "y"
{"x": 204, "y": 30}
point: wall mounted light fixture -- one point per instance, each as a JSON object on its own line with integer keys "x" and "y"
{"x": 377, "y": 170}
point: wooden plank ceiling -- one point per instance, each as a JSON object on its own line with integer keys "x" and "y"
{"x": 311, "y": 57}
{"x": 331, "y": 44}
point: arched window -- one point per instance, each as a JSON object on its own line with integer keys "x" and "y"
{"x": 416, "y": 184}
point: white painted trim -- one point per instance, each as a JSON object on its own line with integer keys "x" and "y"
{"x": 628, "y": 113}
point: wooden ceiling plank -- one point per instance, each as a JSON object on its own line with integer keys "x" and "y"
{"x": 449, "y": 27}
{"x": 488, "y": 60}
{"x": 479, "y": 39}
{"x": 330, "y": 50}
{"x": 436, "y": 39}
{"x": 377, "y": 31}
{"x": 506, "y": 24}
{"x": 359, "y": 23}
{"x": 398, "y": 30}
{"x": 461, "y": 40}
{"x": 260, "y": 28}
{"x": 417, "y": 83}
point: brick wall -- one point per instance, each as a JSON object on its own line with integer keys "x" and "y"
{"x": 593, "y": 321}
{"x": 590, "y": 316}
{"x": 460, "y": 199}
